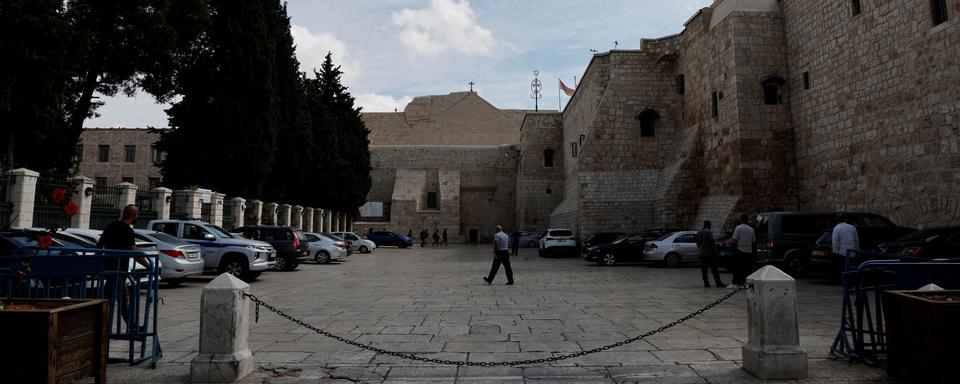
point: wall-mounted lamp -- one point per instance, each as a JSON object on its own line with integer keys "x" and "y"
{"x": 168, "y": 199}
{"x": 88, "y": 191}
{"x": 581, "y": 139}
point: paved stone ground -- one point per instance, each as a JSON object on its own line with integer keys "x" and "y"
{"x": 433, "y": 302}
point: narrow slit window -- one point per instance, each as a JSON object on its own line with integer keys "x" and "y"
{"x": 681, "y": 85}
{"x": 432, "y": 200}
{"x": 714, "y": 112}
{"x": 548, "y": 158}
{"x": 938, "y": 9}
{"x": 855, "y": 7}
{"x": 806, "y": 80}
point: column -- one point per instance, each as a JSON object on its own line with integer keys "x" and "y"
{"x": 161, "y": 201}
{"x": 194, "y": 203}
{"x": 238, "y": 208}
{"x": 296, "y": 217}
{"x": 336, "y": 221}
{"x": 225, "y": 355}
{"x": 22, "y": 193}
{"x": 773, "y": 338}
{"x": 270, "y": 213}
{"x": 256, "y": 206}
{"x": 308, "y": 219}
{"x": 284, "y": 214}
{"x": 84, "y": 200}
{"x": 329, "y": 214}
{"x": 128, "y": 195}
{"x": 216, "y": 209}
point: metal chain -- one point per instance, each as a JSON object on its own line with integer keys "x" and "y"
{"x": 258, "y": 302}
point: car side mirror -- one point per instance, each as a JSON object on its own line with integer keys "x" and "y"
{"x": 208, "y": 237}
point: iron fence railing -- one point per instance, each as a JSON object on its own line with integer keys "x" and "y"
{"x": 206, "y": 210}
{"x": 179, "y": 207}
{"x": 46, "y": 212}
{"x": 6, "y": 208}
{"x": 145, "y": 201}
{"x": 104, "y": 207}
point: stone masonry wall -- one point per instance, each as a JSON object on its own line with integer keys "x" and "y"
{"x": 540, "y": 131}
{"x": 142, "y": 170}
{"x": 879, "y": 128}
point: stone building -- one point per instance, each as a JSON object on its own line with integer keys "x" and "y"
{"x": 115, "y": 155}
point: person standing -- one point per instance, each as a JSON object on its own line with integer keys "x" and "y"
{"x": 119, "y": 235}
{"x": 743, "y": 238}
{"x": 708, "y": 255}
{"x": 501, "y": 255}
{"x": 423, "y": 238}
{"x": 444, "y": 237}
{"x": 436, "y": 239}
{"x": 844, "y": 237}
{"x": 515, "y": 243}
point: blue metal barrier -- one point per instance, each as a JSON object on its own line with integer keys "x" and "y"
{"x": 861, "y": 334}
{"x": 86, "y": 273}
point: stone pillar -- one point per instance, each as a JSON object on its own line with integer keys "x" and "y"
{"x": 128, "y": 194}
{"x": 22, "y": 193}
{"x": 270, "y": 213}
{"x": 296, "y": 217}
{"x": 349, "y": 224}
{"x": 308, "y": 219}
{"x": 773, "y": 344}
{"x": 216, "y": 209}
{"x": 284, "y": 214}
{"x": 238, "y": 208}
{"x": 160, "y": 203}
{"x": 225, "y": 356}
{"x": 329, "y": 215}
{"x": 257, "y": 207}
{"x": 193, "y": 203}
{"x": 336, "y": 221}
{"x": 84, "y": 201}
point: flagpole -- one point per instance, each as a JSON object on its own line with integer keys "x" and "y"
{"x": 558, "y": 95}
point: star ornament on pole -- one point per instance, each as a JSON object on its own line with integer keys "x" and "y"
{"x": 536, "y": 86}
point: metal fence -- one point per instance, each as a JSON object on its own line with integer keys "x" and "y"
{"x": 104, "y": 206}
{"x": 86, "y": 273}
{"x": 6, "y": 208}
{"x": 179, "y": 207}
{"x": 145, "y": 202}
{"x": 46, "y": 213}
{"x": 206, "y": 212}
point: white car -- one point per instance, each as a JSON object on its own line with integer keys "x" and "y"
{"x": 558, "y": 240}
{"x": 673, "y": 249}
{"x": 356, "y": 242}
{"x": 93, "y": 236}
{"x": 325, "y": 248}
{"x": 179, "y": 258}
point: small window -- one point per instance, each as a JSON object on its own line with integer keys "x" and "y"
{"x": 938, "y": 9}
{"x": 127, "y": 179}
{"x": 714, "y": 110}
{"x": 432, "y": 200}
{"x": 100, "y": 181}
{"x": 130, "y": 153}
{"x": 549, "y": 190}
{"x": 573, "y": 148}
{"x": 681, "y": 86}
{"x": 855, "y": 7}
{"x": 155, "y": 155}
{"x": 648, "y": 122}
{"x": 772, "y": 91}
{"x": 548, "y": 158}
{"x": 103, "y": 153}
{"x": 79, "y": 153}
{"x": 806, "y": 80}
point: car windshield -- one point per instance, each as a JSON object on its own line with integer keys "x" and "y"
{"x": 70, "y": 241}
{"x": 562, "y": 232}
{"x": 165, "y": 238}
{"x": 219, "y": 232}
{"x": 620, "y": 239}
{"x": 664, "y": 237}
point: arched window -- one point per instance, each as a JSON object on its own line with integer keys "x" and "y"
{"x": 772, "y": 90}
{"x": 648, "y": 122}
{"x": 548, "y": 157}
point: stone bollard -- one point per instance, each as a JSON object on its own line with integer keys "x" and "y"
{"x": 773, "y": 345}
{"x": 224, "y": 355}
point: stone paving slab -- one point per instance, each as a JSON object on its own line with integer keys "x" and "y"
{"x": 432, "y": 303}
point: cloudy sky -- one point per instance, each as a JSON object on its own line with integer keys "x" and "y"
{"x": 393, "y": 50}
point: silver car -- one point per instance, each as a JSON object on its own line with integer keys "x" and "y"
{"x": 325, "y": 248}
{"x": 356, "y": 242}
{"x": 673, "y": 249}
{"x": 178, "y": 257}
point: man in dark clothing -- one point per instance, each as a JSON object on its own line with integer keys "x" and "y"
{"x": 708, "y": 255}
{"x": 444, "y": 241}
{"x": 119, "y": 235}
{"x": 436, "y": 239}
{"x": 515, "y": 243}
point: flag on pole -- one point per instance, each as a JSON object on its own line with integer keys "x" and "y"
{"x": 567, "y": 90}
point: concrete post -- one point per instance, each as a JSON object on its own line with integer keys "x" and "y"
{"x": 216, "y": 209}
{"x": 308, "y": 219}
{"x": 296, "y": 217}
{"x": 238, "y": 207}
{"x": 192, "y": 203}
{"x": 224, "y": 354}
{"x": 270, "y": 213}
{"x": 257, "y": 207}
{"x": 284, "y": 214}
{"x": 329, "y": 215}
{"x": 82, "y": 218}
{"x": 160, "y": 202}
{"x": 773, "y": 344}
{"x": 128, "y": 194}
{"x": 336, "y": 221}
{"x": 22, "y": 193}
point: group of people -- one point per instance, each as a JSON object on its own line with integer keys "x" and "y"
{"x": 439, "y": 238}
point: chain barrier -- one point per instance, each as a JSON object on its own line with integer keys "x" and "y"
{"x": 258, "y": 302}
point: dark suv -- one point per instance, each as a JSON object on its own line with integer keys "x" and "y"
{"x": 787, "y": 239}
{"x": 290, "y": 243}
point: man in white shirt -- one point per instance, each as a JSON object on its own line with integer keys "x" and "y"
{"x": 743, "y": 238}
{"x": 844, "y": 237}
{"x": 501, "y": 255}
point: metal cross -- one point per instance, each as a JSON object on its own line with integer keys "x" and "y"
{"x": 536, "y": 86}
{"x": 471, "y": 85}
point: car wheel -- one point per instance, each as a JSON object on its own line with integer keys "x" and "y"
{"x": 672, "y": 260}
{"x": 322, "y": 257}
{"x": 532, "y": 244}
{"x": 364, "y": 249}
{"x": 281, "y": 264}
{"x": 234, "y": 266}
{"x": 609, "y": 259}
{"x": 797, "y": 267}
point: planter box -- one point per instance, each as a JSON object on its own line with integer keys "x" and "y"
{"x": 923, "y": 334}
{"x": 53, "y": 341}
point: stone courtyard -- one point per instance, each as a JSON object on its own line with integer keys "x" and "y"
{"x": 432, "y": 302}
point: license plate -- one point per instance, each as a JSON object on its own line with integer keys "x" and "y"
{"x": 818, "y": 253}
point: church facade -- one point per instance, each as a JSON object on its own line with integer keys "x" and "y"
{"x": 757, "y": 105}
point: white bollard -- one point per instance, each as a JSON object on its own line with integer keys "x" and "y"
{"x": 224, "y": 354}
{"x": 773, "y": 345}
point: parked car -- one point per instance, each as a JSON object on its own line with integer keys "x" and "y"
{"x": 786, "y": 239}
{"x": 222, "y": 252}
{"x": 529, "y": 239}
{"x": 325, "y": 248}
{"x": 382, "y": 238}
{"x": 557, "y": 241}
{"x": 88, "y": 238}
{"x": 356, "y": 242}
{"x": 12, "y": 240}
{"x": 673, "y": 249}
{"x": 290, "y": 243}
{"x": 178, "y": 258}
{"x": 602, "y": 238}
{"x": 930, "y": 243}
{"x": 624, "y": 249}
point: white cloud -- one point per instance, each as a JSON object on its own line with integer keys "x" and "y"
{"x": 445, "y": 25}
{"x": 312, "y": 49}
{"x": 372, "y": 102}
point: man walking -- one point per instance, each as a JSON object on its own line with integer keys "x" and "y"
{"x": 444, "y": 238}
{"x": 119, "y": 235}
{"x": 515, "y": 243}
{"x": 844, "y": 237}
{"x": 500, "y": 256}
{"x": 423, "y": 238}
{"x": 708, "y": 255}
{"x": 743, "y": 238}
{"x": 436, "y": 239}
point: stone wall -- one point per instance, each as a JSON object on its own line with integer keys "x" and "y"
{"x": 141, "y": 170}
{"x": 879, "y": 128}
{"x": 539, "y": 187}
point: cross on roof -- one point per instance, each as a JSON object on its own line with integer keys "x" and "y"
{"x": 471, "y": 85}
